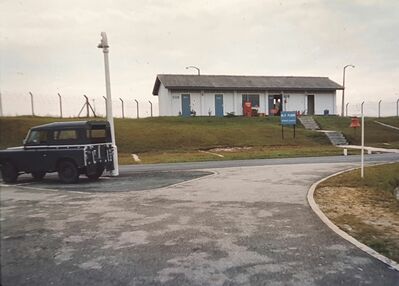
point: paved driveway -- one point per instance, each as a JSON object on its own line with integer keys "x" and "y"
{"x": 240, "y": 226}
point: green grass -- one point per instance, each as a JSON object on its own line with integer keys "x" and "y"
{"x": 381, "y": 178}
{"x": 176, "y": 133}
{"x": 177, "y": 139}
{"x": 375, "y": 134}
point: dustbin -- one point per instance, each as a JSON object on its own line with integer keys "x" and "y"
{"x": 326, "y": 112}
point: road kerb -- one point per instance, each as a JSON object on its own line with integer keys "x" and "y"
{"x": 310, "y": 196}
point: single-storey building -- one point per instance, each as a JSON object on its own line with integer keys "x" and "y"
{"x": 218, "y": 95}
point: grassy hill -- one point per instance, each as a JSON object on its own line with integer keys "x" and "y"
{"x": 374, "y": 134}
{"x": 177, "y": 139}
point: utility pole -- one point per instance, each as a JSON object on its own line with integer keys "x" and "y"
{"x": 123, "y": 108}
{"x": 151, "y": 106}
{"x": 379, "y": 108}
{"x": 60, "y": 99}
{"x": 343, "y": 90}
{"x": 105, "y": 47}
{"x": 137, "y": 107}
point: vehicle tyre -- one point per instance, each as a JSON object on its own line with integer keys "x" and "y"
{"x": 97, "y": 174}
{"x": 38, "y": 175}
{"x": 9, "y": 173}
{"x": 68, "y": 172}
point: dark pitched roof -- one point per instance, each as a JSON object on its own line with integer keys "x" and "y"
{"x": 248, "y": 83}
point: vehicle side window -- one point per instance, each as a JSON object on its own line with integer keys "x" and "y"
{"x": 96, "y": 134}
{"x": 65, "y": 135}
{"x": 37, "y": 137}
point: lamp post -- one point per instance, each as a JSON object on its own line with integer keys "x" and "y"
{"x": 60, "y": 99}
{"x": 151, "y": 106}
{"x": 346, "y": 109}
{"x": 194, "y": 67}
{"x": 105, "y": 47}
{"x": 379, "y": 108}
{"x": 343, "y": 90}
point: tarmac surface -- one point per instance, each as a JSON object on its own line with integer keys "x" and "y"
{"x": 238, "y": 226}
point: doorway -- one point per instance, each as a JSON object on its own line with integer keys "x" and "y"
{"x": 275, "y": 104}
{"x": 219, "y": 105}
{"x": 311, "y": 104}
{"x": 185, "y": 105}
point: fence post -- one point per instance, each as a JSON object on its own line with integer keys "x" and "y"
{"x": 379, "y": 108}
{"x": 1, "y": 107}
{"x": 151, "y": 106}
{"x": 105, "y": 105}
{"x": 137, "y": 103}
{"x": 31, "y": 103}
{"x": 346, "y": 108}
{"x": 60, "y": 99}
{"x": 123, "y": 108}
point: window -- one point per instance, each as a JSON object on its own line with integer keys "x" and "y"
{"x": 96, "y": 133}
{"x": 36, "y": 137}
{"x": 65, "y": 135}
{"x": 253, "y": 98}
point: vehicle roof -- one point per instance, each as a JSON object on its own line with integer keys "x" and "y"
{"x": 71, "y": 124}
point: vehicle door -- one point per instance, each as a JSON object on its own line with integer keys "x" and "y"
{"x": 35, "y": 151}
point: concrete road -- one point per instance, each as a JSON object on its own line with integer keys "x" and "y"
{"x": 240, "y": 226}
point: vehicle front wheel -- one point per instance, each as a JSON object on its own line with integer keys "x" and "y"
{"x": 38, "y": 175}
{"x": 9, "y": 172}
{"x": 97, "y": 174}
{"x": 68, "y": 172}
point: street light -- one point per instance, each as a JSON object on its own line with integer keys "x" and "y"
{"x": 105, "y": 47}
{"x": 343, "y": 90}
{"x": 194, "y": 67}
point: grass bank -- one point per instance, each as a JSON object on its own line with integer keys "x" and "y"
{"x": 366, "y": 209}
{"x": 375, "y": 134}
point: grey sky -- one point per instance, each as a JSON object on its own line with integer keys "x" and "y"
{"x": 50, "y": 46}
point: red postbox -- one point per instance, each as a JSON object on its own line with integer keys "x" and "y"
{"x": 247, "y": 109}
{"x": 355, "y": 123}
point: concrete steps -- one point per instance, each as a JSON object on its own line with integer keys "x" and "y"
{"x": 309, "y": 123}
{"x": 336, "y": 138}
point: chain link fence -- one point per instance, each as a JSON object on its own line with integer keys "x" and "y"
{"x": 49, "y": 105}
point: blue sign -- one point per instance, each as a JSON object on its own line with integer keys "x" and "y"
{"x": 288, "y": 118}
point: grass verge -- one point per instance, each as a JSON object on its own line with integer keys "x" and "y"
{"x": 366, "y": 209}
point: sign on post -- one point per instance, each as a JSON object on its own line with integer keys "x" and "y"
{"x": 287, "y": 118}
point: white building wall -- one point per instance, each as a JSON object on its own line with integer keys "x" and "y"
{"x": 164, "y": 101}
{"x": 324, "y": 101}
{"x": 170, "y": 102}
{"x": 295, "y": 102}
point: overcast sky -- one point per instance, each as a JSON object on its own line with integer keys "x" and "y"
{"x": 50, "y": 46}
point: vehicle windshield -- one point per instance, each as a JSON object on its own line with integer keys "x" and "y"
{"x": 37, "y": 137}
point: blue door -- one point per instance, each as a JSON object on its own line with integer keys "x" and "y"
{"x": 219, "y": 105}
{"x": 185, "y": 105}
